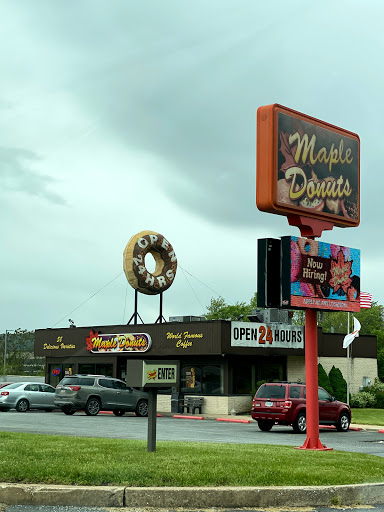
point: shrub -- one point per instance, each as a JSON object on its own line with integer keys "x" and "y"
{"x": 377, "y": 391}
{"x": 379, "y": 395}
{"x": 362, "y": 400}
{"x": 338, "y": 383}
{"x": 378, "y": 385}
{"x": 324, "y": 379}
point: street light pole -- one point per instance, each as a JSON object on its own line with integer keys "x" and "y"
{"x": 5, "y": 351}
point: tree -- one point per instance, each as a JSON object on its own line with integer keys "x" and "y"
{"x": 372, "y": 320}
{"x": 220, "y": 310}
{"x": 323, "y": 379}
{"x": 338, "y": 383}
{"x": 20, "y": 353}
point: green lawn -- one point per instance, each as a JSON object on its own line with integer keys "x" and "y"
{"x": 368, "y": 416}
{"x": 35, "y": 458}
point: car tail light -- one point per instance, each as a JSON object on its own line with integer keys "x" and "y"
{"x": 75, "y": 388}
{"x": 5, "y": 393}
{"x": 287, "y": 404}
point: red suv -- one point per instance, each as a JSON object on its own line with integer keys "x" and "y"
{"x": 284, "y": 403}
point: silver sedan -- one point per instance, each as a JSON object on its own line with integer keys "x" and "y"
{"x": 27, "y": 395}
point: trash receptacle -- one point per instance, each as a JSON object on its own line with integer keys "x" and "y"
{"x": 177, "y": 401}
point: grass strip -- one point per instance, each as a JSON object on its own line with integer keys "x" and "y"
{"x": 35, "y": 458}
{"x": 368, "y": 416}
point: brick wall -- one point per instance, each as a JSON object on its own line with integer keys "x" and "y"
{"x": 359, "y": 368}
{"x": 295, "y": 369}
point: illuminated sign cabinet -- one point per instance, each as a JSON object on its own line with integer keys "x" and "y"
{"x": 307, "y": 167}
{"x": 156, "y": 374}
{"x": 296, "y": 272}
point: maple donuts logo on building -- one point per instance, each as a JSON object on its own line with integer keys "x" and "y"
{"x": 112, "y": 343}
{"x": 324, "y": 276}
{"x": 151, "y": 375}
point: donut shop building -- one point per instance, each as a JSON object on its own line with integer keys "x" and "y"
{"x": 220, "y": 360}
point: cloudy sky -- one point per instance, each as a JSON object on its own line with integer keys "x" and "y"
{"x": 121, "y": 116}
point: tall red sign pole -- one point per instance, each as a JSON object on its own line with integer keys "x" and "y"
{"x": 311, "y": 228}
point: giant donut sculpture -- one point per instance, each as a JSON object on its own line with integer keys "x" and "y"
{"x": 134, "y": 262}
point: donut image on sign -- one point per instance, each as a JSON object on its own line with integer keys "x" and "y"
{"x": 134, "y": 262}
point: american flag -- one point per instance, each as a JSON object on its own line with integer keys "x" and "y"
{"x": 365, "y": 300}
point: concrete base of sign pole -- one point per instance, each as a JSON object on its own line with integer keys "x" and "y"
{"x": 312, "y": 444}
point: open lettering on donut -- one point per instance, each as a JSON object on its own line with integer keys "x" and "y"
{"x": 134, "y": 263}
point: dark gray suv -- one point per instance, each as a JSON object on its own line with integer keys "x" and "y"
{"x": 94, "y": 393}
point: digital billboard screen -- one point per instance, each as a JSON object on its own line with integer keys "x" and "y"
{"x": 319, "y": 275}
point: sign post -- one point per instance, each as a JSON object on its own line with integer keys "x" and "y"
{"x": 152, "y": 413}
{"x": 152, "y": 375}
{"x": 309, "y": 171}
{"x": 312, "y": 441}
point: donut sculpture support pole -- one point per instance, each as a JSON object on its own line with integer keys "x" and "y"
{"x": 311, "y": 228}
{"x": 160, "y": 318}
{"x": 135, "y": 313}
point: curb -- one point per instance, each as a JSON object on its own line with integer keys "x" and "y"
{"x": 233, "y": 420}
{"x": 183, "y": 417}
{"x": 196, "y": 497}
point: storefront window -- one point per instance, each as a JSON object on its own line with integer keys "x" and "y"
{"x": 191, "y": 379}
{"x": 56, "y": 372}
{"x": 96, "y": 369}
{"x": 212, "y": 382}
{"x": 272, "y": 371}
{"x": 242, "y": 376}
{"x": 205, "y": 379}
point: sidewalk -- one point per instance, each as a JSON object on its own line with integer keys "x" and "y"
{"x": 191, "y": 497}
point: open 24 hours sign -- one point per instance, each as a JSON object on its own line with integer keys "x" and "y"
{"x": 252, "y": 334}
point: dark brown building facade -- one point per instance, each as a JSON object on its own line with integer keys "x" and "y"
{"x": 210, "y": 362}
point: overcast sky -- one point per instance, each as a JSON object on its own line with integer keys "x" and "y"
{"x": 121, "y": 116}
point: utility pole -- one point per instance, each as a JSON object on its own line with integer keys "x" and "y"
{"x": 5, "y": 350}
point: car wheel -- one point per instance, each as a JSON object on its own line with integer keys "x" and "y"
{"x": 344, "y": 422}
{"x": 22, "y": 405}
{"x": 265, "y": 425}
{"x": 68, "y": 411}
{"x": 92, "y": 407}
{"x": 4, "y": 409}
{"x": 300, "y": 424}
{"x": 118, "y": 412}
{"x": 142, "y": 408}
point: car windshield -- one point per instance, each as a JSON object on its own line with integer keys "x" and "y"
{"x": 15, "y": 385}
{"x": 271, "y": 392}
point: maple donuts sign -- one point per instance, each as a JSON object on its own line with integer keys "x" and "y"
{"x": 112, "y": 343}
{"x": 319, "y": 275}
{"x": 307, "y": 167}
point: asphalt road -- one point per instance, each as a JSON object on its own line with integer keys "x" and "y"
{"x": 28, "y": 508}
{"x": 172, "y": 429}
